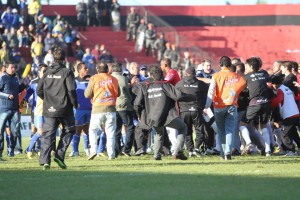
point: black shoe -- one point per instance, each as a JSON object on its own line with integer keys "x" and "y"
{"x": 140, "y": 152}
{"x": 157, "y": 157}
{"x": 179, "y": 156}
{"x": 263, "y": 152}
{"x": 227, "y": 157}
{"x": 60, "y": 163}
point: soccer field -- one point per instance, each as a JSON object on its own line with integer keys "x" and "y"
{"x": 244, "y": 177}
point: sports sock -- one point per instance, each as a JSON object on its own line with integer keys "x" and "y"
{"x": 75, "y": 142}
{"x": 266, "y": 137}
{"x": 85, "y": 141}
{"x": 245, "y": 134}
{"x": 33, "y": 140}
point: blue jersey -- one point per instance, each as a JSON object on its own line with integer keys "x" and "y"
{"x": 31, "y": 90}
{"x": 81, "y": 85}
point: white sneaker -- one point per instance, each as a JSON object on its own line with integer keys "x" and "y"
{"x": 268, "y": 154}
{"x": 73, "y": 154}
{"x": 149, "y": 150}
{"x": 192, "y": 154}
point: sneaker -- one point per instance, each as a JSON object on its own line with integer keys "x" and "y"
{"x": 179, "y": 156}
{"x": 268, "y": 154}
{"x": 46, "y": 167}
{"x": 263, "y": 152}
{"x": 74, "y": 154}
{"x": 198, "y": 153}
{"x": 149, "y": 150}
{"x": 139, "y": 152}
{"x": 10, "y": 152}
{"x": 104, "y": 155}
{"x": 235, "y": 152}
{"x": 192, "y": 154}
{"x": 87, "y": 152}
{"x": 126, "y": 154}
{"x": 157, "y": 157}
{"x": 228, "y": 157}
{"x": 92, "y": 156}
{"x": 248, "y": 149}
{"x": 289, "y": 154}
{"x": 209, "y": 151}
{"x": 60, "y": 163}
{"x": 18, "y": 151}
{"x": 30, "y": 155}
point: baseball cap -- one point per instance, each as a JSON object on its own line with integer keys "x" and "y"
{"x": 143, "y": 67}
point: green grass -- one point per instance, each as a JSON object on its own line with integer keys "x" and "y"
{"x": 250, "y": 177}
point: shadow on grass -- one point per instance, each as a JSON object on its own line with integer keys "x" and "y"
{"x": 58, "y": 184}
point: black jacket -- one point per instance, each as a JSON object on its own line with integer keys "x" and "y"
{"x": 57, "y": 88}
{"x": 195, "y": 87}
{"x": 155, "y": 104}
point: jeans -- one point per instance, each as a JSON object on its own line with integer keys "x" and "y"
{"x": 127, "y": 119}
{"x": 13, "y": 116}
{"x": 108, "y": 120}
{"x": 226, "y": 122}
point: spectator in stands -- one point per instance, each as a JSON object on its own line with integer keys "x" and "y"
{"x": 7, "y": 18}
{"x": 186, "y": 62}
{"x": 31, "y": 34}
{"x": 23, "y": 11}
{"x": 33, "y": 10}
{"x": 37, "y": 48}
{"x": 4, "y": 53}
{"x": 174, "y": 56}
{"x": 15, "y": 55}
{"x": 106, "y": 57}
{"x": 22, "y": 37}
{"x": 167, "y": 53}
{"x": 17, "y": 20}
{"x": 81, "y": 9}
{"x": 116, "y": 15}
{"x": 160, "y": 46}
{"x": 12, "y": 38}
{"x": 13, "y": 4}
{"x": 48, "y": 42}
{"x": 131, "y": 24}
{"x": 96, "y": 52}
{"x": 58, "y": 19}
{"x": 91, "y": 13}
{"x": 79, "y": 50}
{"x": 296, "y": 70}
{"x": 150, "y": 37}
{"x": 90, "y": 61}
{"x": 49, "y": 59}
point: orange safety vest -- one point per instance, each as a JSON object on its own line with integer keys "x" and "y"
{"x": 105, "y": 90}
{"x": 228, "y": 87}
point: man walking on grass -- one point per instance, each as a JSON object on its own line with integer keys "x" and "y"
{"x": 57, "y": 88}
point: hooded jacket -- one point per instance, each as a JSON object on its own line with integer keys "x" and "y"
{"x": 57, "y": 88}
{"x": 195, "y": 87}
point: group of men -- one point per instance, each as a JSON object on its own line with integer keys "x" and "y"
{"x": 163, "y": 102}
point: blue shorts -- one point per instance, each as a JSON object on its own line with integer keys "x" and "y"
{"x": 82, "y": 117}
{"x": 39, "y": 121}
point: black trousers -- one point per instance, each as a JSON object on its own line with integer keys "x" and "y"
{"x": 49, "y": 134}
{"x": 125, "y": 117}
{"x": 193, "y": 119}
{"x": 289, "y": 132}
{"x": 141, "y": 137}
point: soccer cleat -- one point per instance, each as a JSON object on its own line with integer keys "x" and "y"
{"x": 46, "y": 167}
{"x": 74, "y": 154}
{"x": 192, "y": 154}
{"x": 92, "y": 156}
{"x": 179, "y": 156}
{"x": 228, "y": 157}
{"x": 30, "y": 155}
{"x": 102, "y": 154}
{"x": 60, "y": 163}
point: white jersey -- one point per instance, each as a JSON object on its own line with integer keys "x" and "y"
{"x": 289, "y": 107}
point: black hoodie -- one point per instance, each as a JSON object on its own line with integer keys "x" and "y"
{"x": 192, "y": 86}
{"x": 57, "y": 88}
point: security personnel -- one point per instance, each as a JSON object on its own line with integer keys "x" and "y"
{"x": 131, "y": 23}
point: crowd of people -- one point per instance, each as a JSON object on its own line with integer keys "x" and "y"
{"x": 237, "y": 109}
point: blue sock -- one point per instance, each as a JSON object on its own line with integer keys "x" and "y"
{"x": 75, "y": 142}
{"x": 85, "y": 141}
{"x": 33, "y": 140}
{"x": 102, "y": 143}
{"x": 38, "y": 145}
